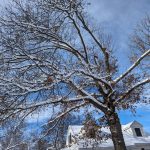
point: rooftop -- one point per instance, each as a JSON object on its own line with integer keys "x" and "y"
{"x": 130, "y": 139}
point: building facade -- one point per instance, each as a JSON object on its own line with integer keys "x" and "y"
{"x": 134, "y": 135}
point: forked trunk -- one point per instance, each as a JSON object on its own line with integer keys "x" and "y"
{"x": 116, "y": 132}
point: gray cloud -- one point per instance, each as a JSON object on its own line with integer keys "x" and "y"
{"x": 120, "y": 17}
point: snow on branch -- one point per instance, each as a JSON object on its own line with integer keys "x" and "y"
{"x": 92, "y": 99}
{"x": 66, "y": 112}
{"x": 12, "y": 147}
{"x": 50, "y": 129}
{"x": 95, "y": 101}
{"x": 133, "y": 88}
{"x": 58, "y": 118}
{"x": 24, "y": 87}
{"x": 48, "y": 102}
{"x": 132, "y": 67}
{"x": 30, "y": 107}
{"x": 96, "y": 77}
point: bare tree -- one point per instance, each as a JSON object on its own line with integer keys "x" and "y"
{"x": 140, "y": 41}
{"x": 53, "y": 56}
{"x": 12, "y": 137}
{"x": 141, "y": 37}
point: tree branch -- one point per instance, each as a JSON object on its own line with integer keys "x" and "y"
{"x": 66, "y": 112}
{"x": 133, "y": 88}
{"x": 81, "y": 37}
{"x": 90, "y": 98}
{"x": 103, "y": 49}
{"x": 132, "y": 67}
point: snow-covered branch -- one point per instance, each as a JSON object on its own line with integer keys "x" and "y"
{"x": 14, "y": 146}
{"x": 132, "y": 67}
{"x": 91, "y": 97}
{"x": 124, "y": 95}
{"x": 61, "y": 100}
{"x": 27, "y": 87}
{"x": 96, "y": 78}
{"x": 66, "y": 112}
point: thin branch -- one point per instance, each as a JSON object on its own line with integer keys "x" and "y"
{"x": 66, "y": 112}
{"x": 133, "y": 88}
{"x": 132, "y": 67}
{"x": 81, "y": 37}
{"x": 103, "y": 49}
{"x": 91, "y": 98}
{"x": 12, "y": 147}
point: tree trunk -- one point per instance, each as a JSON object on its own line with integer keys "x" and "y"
{"x": 116, "y": 132}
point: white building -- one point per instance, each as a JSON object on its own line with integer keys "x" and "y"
{"x": 135, "y": 138}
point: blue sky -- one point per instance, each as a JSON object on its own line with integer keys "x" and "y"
{"x": 120, "y": 17}
{"x": 142, "y": 116}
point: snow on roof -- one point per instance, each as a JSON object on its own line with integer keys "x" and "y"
{"x": 75, "y": 129}
{"x": 126, "y": 126}
{"x": 128, "y": 137}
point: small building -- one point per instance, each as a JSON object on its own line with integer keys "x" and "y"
{"x": 134, "y": 135}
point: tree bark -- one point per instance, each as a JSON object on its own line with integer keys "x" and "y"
{"x": 116, "y": 131}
